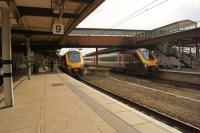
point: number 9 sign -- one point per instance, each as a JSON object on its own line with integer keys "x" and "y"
{"x": 58, "y": 29}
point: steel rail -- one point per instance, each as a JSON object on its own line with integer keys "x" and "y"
{"x": 155, "y": 90}
{"x": 173, "y": 122}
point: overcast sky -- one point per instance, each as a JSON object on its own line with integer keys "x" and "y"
{"x": 112, "y": 12}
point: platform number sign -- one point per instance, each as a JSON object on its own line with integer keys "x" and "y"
{"x": 58, "y": 29}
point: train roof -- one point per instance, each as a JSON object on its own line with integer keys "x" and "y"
{"x": 72, "y": 51}
{"x": 121, "y": 51}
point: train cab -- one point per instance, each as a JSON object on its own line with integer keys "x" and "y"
{"x": 72, "y": 62}
{"x": 148, "y": 59}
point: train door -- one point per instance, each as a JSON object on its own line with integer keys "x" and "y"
{"x": 120, "y": 62}
{"x": 136, "y": 62}
{"x": 94, "y": 60}
{"x": 129, "y": 62}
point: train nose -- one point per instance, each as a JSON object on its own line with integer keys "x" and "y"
{"x": 152, "y": 69}
{"x": 145, "y": 65}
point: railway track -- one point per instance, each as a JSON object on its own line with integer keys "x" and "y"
{"x": 173, "y": 122}
{"x": 157, "y": 80}
{"x": 159, "y": 91}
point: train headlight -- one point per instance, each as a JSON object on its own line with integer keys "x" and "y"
{"x": 145, "y": 65}
{"x": 68, "y": 67}
{"x": 81, "y": 66}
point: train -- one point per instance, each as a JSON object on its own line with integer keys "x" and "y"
{"x": 138, "y": 61}
{"x": 72, "y": 62}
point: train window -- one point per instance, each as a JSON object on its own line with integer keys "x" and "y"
{"x": 146, "y": 54}
{"x": 107, "y": 58}
{"x": 126, "y": 58}
{"x": 74, "y": 56}
{"x": 115, "y": 58}
{"x": 120, "y": 58}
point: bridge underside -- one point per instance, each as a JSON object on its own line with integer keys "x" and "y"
{"x": 185, "y": 38}
{"x": 34, "y": 19}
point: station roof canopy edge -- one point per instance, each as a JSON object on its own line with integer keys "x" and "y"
{"x": 35, "y": 18}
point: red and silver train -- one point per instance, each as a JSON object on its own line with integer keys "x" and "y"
{"x": 138, "y": 61}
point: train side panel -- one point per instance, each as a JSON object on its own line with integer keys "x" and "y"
{"x": 140, "y": 61}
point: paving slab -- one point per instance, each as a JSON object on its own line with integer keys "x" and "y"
{"x": 44, "y": 105}
{"x": 150, "y": 128}
{"x": 137, "y": 120}
{"x": 57, "y": 103}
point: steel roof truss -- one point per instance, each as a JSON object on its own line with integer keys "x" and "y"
{"x": 44, "y": 12}
{"x": 83, "y": 1}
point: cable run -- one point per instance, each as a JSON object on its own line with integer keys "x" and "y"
{"x": 136, "y": 13}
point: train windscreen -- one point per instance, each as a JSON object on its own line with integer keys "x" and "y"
{"x": 146, "y": 54}
{"x": 74, "y": 56}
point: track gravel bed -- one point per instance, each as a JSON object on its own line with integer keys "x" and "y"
{"x": 169, "y": 87}
{"x": 184, "y": 110}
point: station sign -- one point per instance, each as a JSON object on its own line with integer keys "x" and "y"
{"x": 58, "y": 29}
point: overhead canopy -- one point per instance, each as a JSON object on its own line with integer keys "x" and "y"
{"x": 35, "y": 18}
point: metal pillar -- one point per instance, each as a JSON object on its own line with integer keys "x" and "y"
{"x": 197, "y": 50}
{"x": 28, "y": 57}
{"x": 191, "y": 56}
{"x": 7, "y": 58}
{"x": 179, "y": 55}
{"x": 182, "y": 51}
{"x": 96, "y": 56}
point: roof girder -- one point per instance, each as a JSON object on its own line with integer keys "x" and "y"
{"x": 44, "y": 12}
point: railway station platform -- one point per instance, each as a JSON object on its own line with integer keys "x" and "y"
{"x": 57, "y": 103}
{"x": 183, "y": 75}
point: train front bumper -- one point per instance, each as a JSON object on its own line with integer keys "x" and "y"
{"x": 152, "y": 69}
